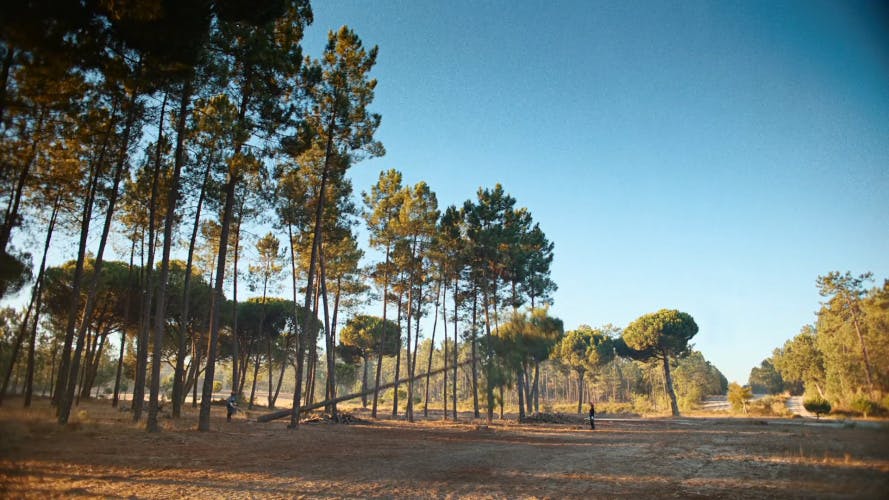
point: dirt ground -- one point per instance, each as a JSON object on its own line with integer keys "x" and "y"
{"x": 102, "y": 454}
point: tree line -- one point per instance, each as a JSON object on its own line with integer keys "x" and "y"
{"x": 841, "y": 359}
{"x": 137, "y": 120}
{"x": 170, "y": 132}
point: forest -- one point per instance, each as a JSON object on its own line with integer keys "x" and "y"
{"x": 193, "y": 167}
{"x": 839, "y": 362}
{"x": 150, "y": 150}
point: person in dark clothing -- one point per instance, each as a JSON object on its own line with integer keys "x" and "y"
{"x": 231, "y": 404}
{"x": 592, "y": 416}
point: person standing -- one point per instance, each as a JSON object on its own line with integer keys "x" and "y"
{"x": 231, "y": 405}
{"x": 592, "y": 416}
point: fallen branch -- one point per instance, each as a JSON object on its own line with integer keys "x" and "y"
{"x": 268, "y": 417}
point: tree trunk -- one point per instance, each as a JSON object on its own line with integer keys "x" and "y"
{"x": 160, "y": 313}
{"x": 413, "y": 366}
{"x": 123, "y": 330}
{"x": 456, "y": 349}
{"x": 431, "y": 351}
{"x": 255, "y": 375}
{"x": 12, "y": 210}
{"x": 521, "y": 390}
{"x": 271, "y": 376}
{"x": 316, "y": 247}
{"x": 364, "y": 383}
{"x": 383, "y": 336}
{"x": 286, "y": 413}
{"x": 397, "y": 363}
{"x": 32, "y": 342}
{"x": 217, "y": 301}
{"x": 4, "y": 77}
{"x": 668, "y": 382}
{"x": 474, "y": 355}
{"x": 23, "y": 330}
{"x": 444, "y": 323}
{"x": 236, "y": 381}
{"x": 409, "y": 409}
{"x": 864, "y": 354}
{"x": 328, "y": 343}
{"x": 178, "y": 373}
{"x": 489, "y": 386}
{"x": 145, "y": 326}
{"x": 62, "y": 399}
{"x": 332, "y": 347}
{"x": 579, "y": 392}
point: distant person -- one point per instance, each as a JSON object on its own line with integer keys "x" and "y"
{"x": 231, "y": 404}
{"x": 592, "y": 416}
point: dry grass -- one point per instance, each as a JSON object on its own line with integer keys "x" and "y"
{"x": 102, "y": 453}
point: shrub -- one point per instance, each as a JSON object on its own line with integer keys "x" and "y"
{"x": 865, "y": 406}
{"x": 770, "y": 406}
{"x": 739, "y": 396}
{"x": 217, "y": 385}
{"x": 818, "y": 406}
{"x": 615, "y": 408}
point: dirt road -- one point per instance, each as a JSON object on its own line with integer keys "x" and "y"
{"x": 107, "y": 456}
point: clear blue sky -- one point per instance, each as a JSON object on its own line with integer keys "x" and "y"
{"x": 713, "y": 157}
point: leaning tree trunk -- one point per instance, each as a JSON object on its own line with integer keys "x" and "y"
{"x": 32, "y": 343}
{"x": 668, "y": 382}
{"x": 61, "y": 394}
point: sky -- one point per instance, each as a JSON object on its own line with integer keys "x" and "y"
{"x": 711, "y": 157}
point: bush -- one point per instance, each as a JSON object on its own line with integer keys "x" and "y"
{"x": 739, "y": 396}
{"x": 217, "y": 385}
{"x": 615, "y": 408}
{"x": 818, "y": 406}
{"x": 865, "y": 406}
{"x": 770, "y": 406}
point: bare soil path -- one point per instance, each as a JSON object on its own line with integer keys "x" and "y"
{"x": 104, "y": 455}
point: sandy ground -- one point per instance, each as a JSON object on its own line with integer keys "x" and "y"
{"x": 103, "y": 454}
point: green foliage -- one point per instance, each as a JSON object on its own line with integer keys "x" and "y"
{"x": 770, "y": 406}
{"x": 818, "y": 406}
{"x": 766, "y": 379}
{"x": 865, "y": 406}
{"x": 694, "y": 378}
{"x": 845, "y": 354}
{"x": 363, "y": 333}
{"x": 584, "y": 349}
{"x": 799, "y": 361}
{"x": 665, "y": 332}
{"x": 217, "y": 385}
{"x": 739, "y": 396}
